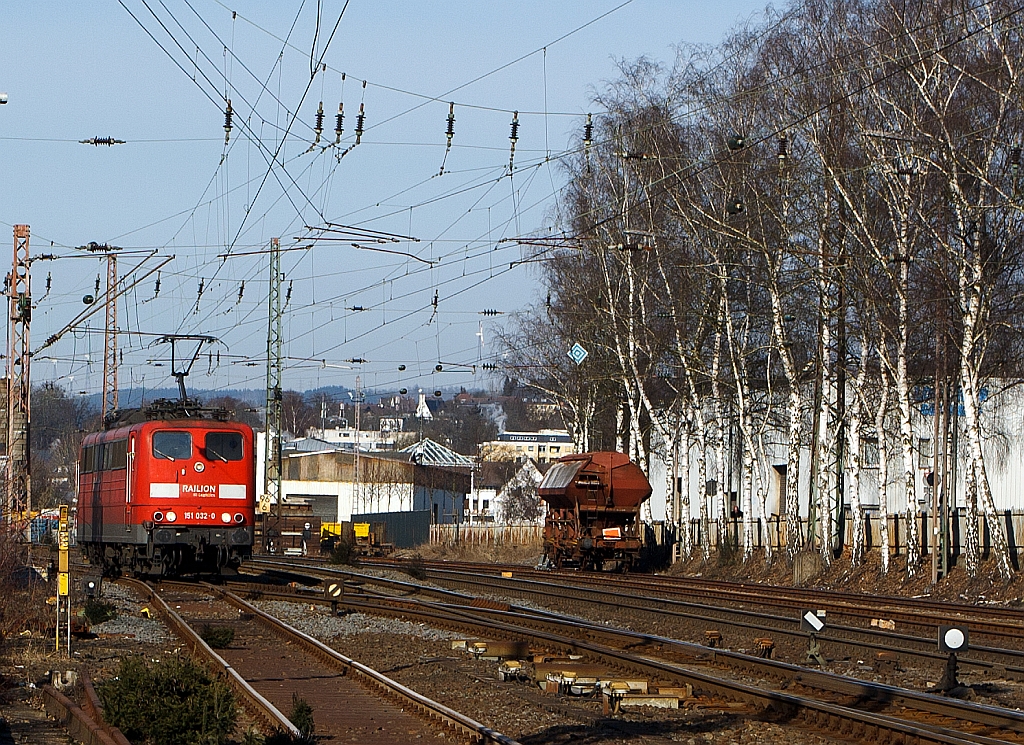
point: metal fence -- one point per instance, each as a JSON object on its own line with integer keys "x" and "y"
{"x": 487, "y": 535}
{"x": 774, "y": 533}
{"x": 403, "y": 529}
{"x": 661, "y": 534}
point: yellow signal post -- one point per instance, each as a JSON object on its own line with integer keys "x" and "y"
{"x": 63, "y": 579}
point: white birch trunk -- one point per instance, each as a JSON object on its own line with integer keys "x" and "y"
{"x": 883, "y": 476}
{"x": 718, "y": 411}
{"x": 913, "y": 535}
{"x": 824, "y": 450}
{"x": 620, "y": 418}
{"x": 746, "y": 504}
{"x": 972, "y": 537}
{"x": 1000, "y": 549}
{"x": 970, "y": 277}
{"x": 791, "y": 506}
{"x": 684, "y": 520}
{"x": 762, "y": 502}
{"x": 854, "y": 450}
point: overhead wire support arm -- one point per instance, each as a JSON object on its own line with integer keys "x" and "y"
{"x": 54, "y": 338}
{"x": 334, "y": 227}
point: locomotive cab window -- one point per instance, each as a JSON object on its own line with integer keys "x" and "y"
{"x": 172, "y": 445}
{"x": 224, "y": 446}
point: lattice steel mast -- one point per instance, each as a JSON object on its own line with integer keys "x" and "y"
{"x": 19, "y": 386}
{"x": 274, "y": 411}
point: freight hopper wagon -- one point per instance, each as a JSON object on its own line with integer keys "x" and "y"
{"x": 168, "y": 490}
{"x": 593, "y": 516}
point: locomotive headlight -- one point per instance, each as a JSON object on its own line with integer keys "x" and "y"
{"x": 158, "y": 517}
{"x": 170, "y": 517}
{"x": 239, "y": 517}
{"x": 225, "y": 517}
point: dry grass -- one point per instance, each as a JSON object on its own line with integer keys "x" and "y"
{"x": 24, "y": 607}
{"x": 868, "y": 578}
{"x": 525, "y": 555}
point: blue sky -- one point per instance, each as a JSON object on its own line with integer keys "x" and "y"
{"x": 80, "y": 70}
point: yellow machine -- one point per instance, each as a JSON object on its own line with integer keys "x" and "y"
{"x": 367, "y": 539}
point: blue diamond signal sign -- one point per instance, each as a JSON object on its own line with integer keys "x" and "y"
{"x": 577, "y": 353}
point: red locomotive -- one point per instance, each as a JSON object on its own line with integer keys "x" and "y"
{"x": 167, "y": 490}
{"x": 593, "y": 516}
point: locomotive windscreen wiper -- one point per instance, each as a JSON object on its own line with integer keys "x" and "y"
{"x": 157, "y": 451}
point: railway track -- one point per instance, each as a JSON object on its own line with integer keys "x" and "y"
{"x": 996, "y": 620}
{"x": 269, "y": 661}
{"x": 741, "y": 628}
{"x": 817, "y": 699}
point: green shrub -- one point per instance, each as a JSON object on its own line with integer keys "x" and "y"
{"x": 281, "y": 737}
{"x": 302, "y": 717}
{"x": 98, "y": 611}
{"x": 415, "y": 567}
{"x": 345, "y": 553}
{"x": 253, "y": 737}
{"x": 218, "y": 637}
{"x": 172, "y": 702}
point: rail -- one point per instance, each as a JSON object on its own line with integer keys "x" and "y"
{"x": 254, "y": 700}
{"x": 432, "y": 709}
{"x": 467, "y": 616}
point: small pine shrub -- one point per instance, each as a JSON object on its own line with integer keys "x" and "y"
{"x": 416, "y": 568}
{"x": 345, "y": 553}
{"x": 170, "y": 702}
{"x": 280, "y": 737}
{"x": 302, "y": 717}
{"x": 253, "y": 737}
{"x": 98, "y": 611}
{"x": 218, "y": 637}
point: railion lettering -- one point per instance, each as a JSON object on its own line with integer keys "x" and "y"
{"x": 198, "y": 489}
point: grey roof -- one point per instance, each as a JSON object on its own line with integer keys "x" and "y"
{"x": 309, "y": 445}
{"x": 429, "y": 453}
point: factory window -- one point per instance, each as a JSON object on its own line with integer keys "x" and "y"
{"x": 869, "y": 456}
{"x": 924, "y": 448}
{"x": 541, "y": 448}
{"x": 555, "y": 448}
{"x": 486, "y": 504}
